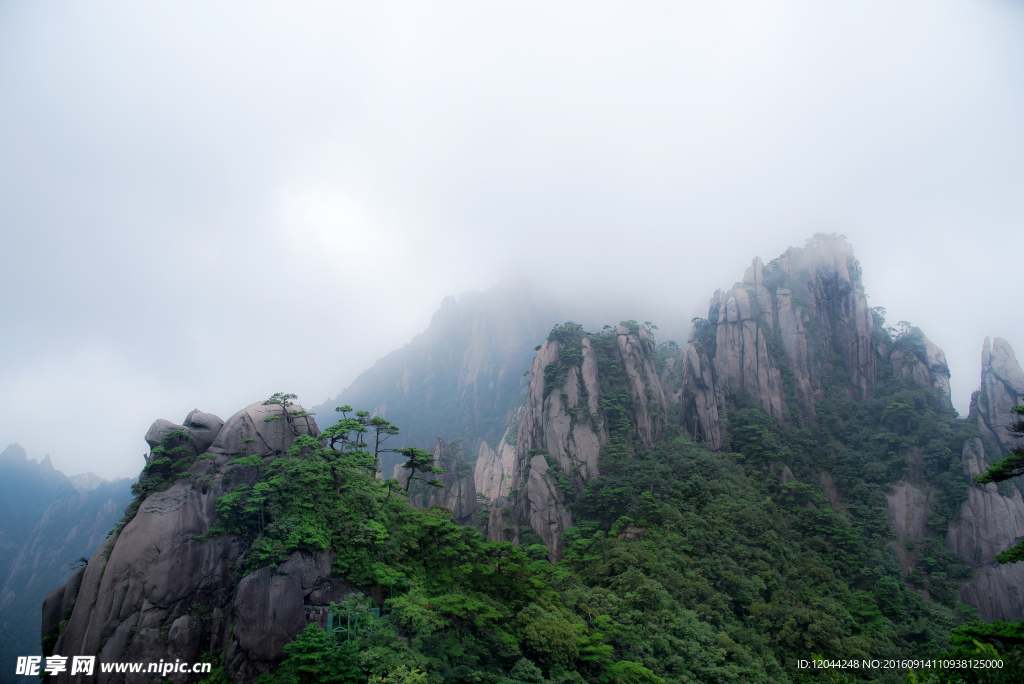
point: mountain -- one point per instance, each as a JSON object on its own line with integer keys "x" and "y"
{"x": 588, "y": 393}
{"x": 49, "y": 522}
{"x": 794, "y": 481}
{"x": 462, "y": 378}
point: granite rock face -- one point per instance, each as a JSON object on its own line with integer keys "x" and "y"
{"x": 156, "y": 590}
{"x": 908, "y": 505}
{"x": 995, "y": 590}
{"x": 928, "y": 369}
{"x": 801, "y": 312}
{"x": 1002, "y": 386}
{"x": 458, "y": 494}
{"x": 250, "y": 432}
{"x": 563, "y": 430}
{"x": 492, "y": 473}
{"x": 989, "y": 524}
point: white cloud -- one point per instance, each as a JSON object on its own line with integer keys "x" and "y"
{"x": 187, "y": 189}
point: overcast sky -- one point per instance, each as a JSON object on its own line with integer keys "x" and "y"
{"x": 203, "y": 203}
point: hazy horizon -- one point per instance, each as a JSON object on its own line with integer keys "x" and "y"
{"x": 202, "y": 205}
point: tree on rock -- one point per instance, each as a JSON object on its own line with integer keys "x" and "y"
{"x": 422, "y": 462}
{"x": 284, "y": 400}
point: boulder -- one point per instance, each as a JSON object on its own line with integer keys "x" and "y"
{"x": 204, "y": 428}
{"x": 268, "y": 604}
{"x": 261, "y": 429}
{"x": 159, "y": 430}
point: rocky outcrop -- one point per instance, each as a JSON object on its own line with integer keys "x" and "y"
{"x": 458, "y": 494}
{"x": 798, "y": 313}
{"x": 927, "y": 367}
{"x": 564, "y": 428}
{"x": 1002, "y": 387}
{"x": 995, "y": 590}
{"x": 989, "y": 524}
{"x": 492, "y": 473}
{"x": 263, "y": 429}
{"x": 908, "y": 509}
{"x": 157, "y": 589}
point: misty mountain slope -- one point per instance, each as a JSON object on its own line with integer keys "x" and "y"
{"x": 461, "y": 378}
{"x": 53, "y": 523}
{"x": 26, "y": 489}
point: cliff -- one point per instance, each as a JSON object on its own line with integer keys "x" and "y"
{"x": 1002, "y": 387}
{"x": 158, "y": 589}
{"x": 459, "y": 492}
{"x": 798, "y": 316}
{"x": 587, "y": 393}
{"x": 492, "y": 472}
{"x": 990, "y": 518}
{"x": 914, "y": 356}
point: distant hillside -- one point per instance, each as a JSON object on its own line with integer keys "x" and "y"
{"x": 463, "y": 376}
{"x": 46, "y": 523}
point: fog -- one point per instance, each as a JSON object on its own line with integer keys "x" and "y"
{"x": 205, "y": 203}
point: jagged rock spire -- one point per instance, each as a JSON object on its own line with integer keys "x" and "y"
{"x": 798, "y": 313}
{"x": 1002, "y": 387}
{"x": 564, "y": 427}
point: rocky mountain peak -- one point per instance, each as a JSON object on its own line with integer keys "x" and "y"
{"x": 1002, "y": 387}
{"x": 795, "y": 316}
{"x": 914, "y": 356}
{"x": 565, "y": 426}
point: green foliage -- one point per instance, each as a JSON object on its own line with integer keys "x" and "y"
{"x": 909, "y": 339}
{"x": 422, "y": 462}
{"x": 625, "y": 672}
{"x": 310, "y": 657}
{"x": 167, "y": 462}
{"x": 401, "y": 675}
{"x": 736, "y": 575}
{"x": 1012, "y": 554}
{"x": 570, "y": 335}
{"x": 1013, "y": 464}
{"x": 526, "y": 671}
{"x": 705, "y": 337}
{"x": 994, "y": 641}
